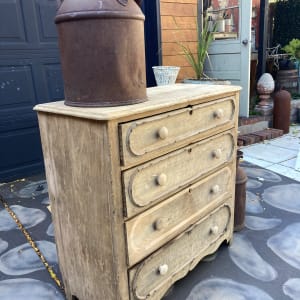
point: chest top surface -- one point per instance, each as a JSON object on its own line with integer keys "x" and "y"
{"x": 160, "y": 99}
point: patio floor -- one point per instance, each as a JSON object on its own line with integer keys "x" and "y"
{"x": 278, "y": 155}
{"x": 263, "y": 262}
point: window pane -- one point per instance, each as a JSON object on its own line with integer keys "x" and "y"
{"x": 224, "y": 17}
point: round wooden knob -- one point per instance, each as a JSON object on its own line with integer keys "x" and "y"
{"x": 163, "y": 269}
{"x": 219, "y": 113}
{"x": 159, "y": 224}
{"x": 217, "y": 153}
{"x": 215, "y": 189}
{"x": 163, "y": 132}
{"x": 161, "y": 179}
{"x": 214, "y": 229}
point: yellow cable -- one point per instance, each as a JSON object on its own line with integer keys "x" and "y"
{"x": 32, "y": 243}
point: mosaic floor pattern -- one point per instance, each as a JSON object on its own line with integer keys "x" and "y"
{"x": 263, "y": 262}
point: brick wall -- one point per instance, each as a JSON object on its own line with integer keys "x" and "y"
{"x": 178, "y": 24}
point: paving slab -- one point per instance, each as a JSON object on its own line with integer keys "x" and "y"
{"x": 285, "y": 171}
{"x": 290, "y": 163}
{"x": 286, "y": 142}
{"x": 268, "y": 153}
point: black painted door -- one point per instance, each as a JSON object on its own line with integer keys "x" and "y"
{"x": 152, "y": 37}
{"x": 29, "y": 74}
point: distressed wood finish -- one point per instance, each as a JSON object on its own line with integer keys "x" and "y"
{"x": 133, "y": 214}
{"x": 86, "y": 209}
{"x": 151, "y": 279}
{"x": 160, "y": 99}
{"x": 141, "y": 137}
{"x": 151, "y": 182}
{"x": 153, "y": 228}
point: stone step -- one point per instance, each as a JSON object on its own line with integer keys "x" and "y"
{"x": 250, "y": 128}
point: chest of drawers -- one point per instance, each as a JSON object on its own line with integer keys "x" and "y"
{"x": 140, "y": 194}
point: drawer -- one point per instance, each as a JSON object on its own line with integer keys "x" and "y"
{"x": 151, "y": 136}
{"x": 156, "y": 226}
{"x": 152, "y": 278}
{"x": 156, "y": 180}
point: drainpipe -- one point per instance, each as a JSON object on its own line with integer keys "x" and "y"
{"x": 263, "y": 31}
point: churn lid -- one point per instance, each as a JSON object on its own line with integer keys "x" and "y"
{"x": 78, "y": 9}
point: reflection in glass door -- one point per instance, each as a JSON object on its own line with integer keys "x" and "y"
{"x": 223, "y": 15}
{"x": 229, "y": 53}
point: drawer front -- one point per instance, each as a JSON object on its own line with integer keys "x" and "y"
{"x": 158, "y": 179}
{"x": 152, "y": 278}
{"x": 156, "y": 226}
{"x": 151, "y": 135}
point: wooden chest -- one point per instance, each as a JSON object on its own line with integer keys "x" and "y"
{"x": 140, "y": 194}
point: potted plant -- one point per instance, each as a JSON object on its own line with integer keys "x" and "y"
{"x": 288, "y": 74}
{"x": 197, "y": 60}
{"x": 293, "y": 49}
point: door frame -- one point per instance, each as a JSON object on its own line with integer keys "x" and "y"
{"x": 245, "y": 52}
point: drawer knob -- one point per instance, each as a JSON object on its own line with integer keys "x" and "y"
{"x": 163, "y": 269}
{"x": 217, "y": 153}
{"x": 214, "y": 230}
{"x": 163, "y": 132}
{"x": 215, "y": 189}
{"x": 219, "y": 113}
{"x": 159, "y": 224}
{"x": 161, "y": 179}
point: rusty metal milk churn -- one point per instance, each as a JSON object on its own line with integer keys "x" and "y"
{"x": 102, "y": 52}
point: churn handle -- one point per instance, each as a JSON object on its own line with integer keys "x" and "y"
{"x": 124, "y": 2}
{"x": 59, "y": 3}
{"x": 139, "y": 2}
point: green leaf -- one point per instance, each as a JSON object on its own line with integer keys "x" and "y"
{"x": 197, "y": 60}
